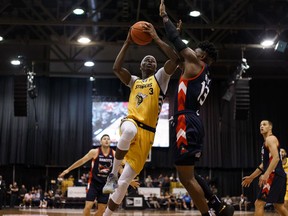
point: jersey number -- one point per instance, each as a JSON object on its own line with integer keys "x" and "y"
{"x": 204, "y": 93}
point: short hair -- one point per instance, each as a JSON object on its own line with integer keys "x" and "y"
{"x": 104, "y": 136}
{"x": 209, "y": 48}
{"x": 269, "y": 122}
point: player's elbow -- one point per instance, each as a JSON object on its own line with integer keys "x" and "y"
{"x": 116, "y": 69}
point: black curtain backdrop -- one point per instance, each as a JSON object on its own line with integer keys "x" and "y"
{"x": 57, "y": 130}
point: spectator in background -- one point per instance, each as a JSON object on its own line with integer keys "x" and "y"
{"x": 228, "y": 200}
{"x": 243, "y": 202}
{"x": 37, "y": 197}
{"x": 2, "y": 192}
{"x": 14, "y": 195}
{"x": 155, "y": 182}
{"x": 22, "y": 192}
{"x": 27, "y": 200}
{"x": 148, "y": 181}
{"x": 214, "y": 189}
{"x": 187, "y": 201}
{"x": 153, "y": 200}
{"x": 172, "y": 202}
{"x": 166, "y": 185}
{"x": 8, "y": 195}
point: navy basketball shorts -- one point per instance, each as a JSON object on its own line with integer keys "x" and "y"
{"x": 273, "y": 191}
{"x": 95, "y": 191}
{"x": 187, "y": 138}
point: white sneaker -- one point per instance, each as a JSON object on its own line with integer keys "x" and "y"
{"x": 111, "y": 184}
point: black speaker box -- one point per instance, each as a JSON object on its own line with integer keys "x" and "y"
{"x": 20, "y": 95}
{"x": 242, "y": 99}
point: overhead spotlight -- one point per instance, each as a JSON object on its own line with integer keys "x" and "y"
{"x": 84, "y": 40}
{"x": 15, "y": 62}
{"x": 78, "y": 11}
{"x": 267, "y": 43}
{"x": 281, "y": 46}
{"x": 1, "y": 38}
{"x": 89, "y": 64}
{"x": 195, "y": 13}
{"x": 20, "y": 60}
{"x": 92, "y": 78}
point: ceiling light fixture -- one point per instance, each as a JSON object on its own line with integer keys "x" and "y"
{"x": 89, "y": 64}
{"x": 84, "y": 40}
{"x": 1, "y": 38}
{"x": 267, "y": 43}
{"x": 19, "y": 60}
{"x": 92, "y": 78}
{"x": 195, "y": 13}
{"x": 78, "y": 11}
{"x": 15, "y": 62}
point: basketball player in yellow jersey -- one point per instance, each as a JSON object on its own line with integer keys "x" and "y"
{"x": 138, "y": 128}
{"x": 283, "y": 154}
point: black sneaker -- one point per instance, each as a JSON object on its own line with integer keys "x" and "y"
{"x": 225, "y": 210}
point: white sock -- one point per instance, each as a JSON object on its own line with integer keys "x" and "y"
{"x": 116, "y": 166}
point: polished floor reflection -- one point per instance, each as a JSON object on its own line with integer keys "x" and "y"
{"x": 66, "y": 212}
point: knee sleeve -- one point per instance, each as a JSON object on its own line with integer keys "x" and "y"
{"x": 173, "y": 36}
{"x": 126, "y": 177}
{"x": 128, "y": 132}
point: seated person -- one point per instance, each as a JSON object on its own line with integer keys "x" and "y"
{"x": 164, "y": 200}
{"x": 27, "y": 199}
{"x": 187, "y": 201}
{"x": 228, "y": 200}
{"x": 172, "y": 202}
{"x": 179, "y": 201}
{"x": 36, "y": 197}
{"x": 153, "y": 201}
{"x": 243, "y": 202}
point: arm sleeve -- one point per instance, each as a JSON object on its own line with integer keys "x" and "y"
{"x": 132, "y": 80}
{"x": 163, "y": 79}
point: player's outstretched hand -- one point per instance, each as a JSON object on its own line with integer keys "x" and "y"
{"x": 246, "y": 181}
{"x": 179, "y": 26}
{"x": 162, "y": 9}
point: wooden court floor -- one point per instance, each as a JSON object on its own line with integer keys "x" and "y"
{"x": 72, "y": 212}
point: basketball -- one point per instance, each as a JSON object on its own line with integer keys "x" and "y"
{"x": 138, "y": 36}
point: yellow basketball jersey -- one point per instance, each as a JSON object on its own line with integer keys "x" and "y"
{"x": 285, "y": 167}
{"x": 145, "y": 101}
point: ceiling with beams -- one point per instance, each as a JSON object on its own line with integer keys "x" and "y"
{"x": 45, "y": 32}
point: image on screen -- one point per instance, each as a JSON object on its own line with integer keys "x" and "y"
{"x": 106, "y": 118}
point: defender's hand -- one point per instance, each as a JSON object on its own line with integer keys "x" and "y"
{"x": 162, "y": 9}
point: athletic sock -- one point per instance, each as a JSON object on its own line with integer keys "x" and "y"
{"x": 116, "y": 165}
